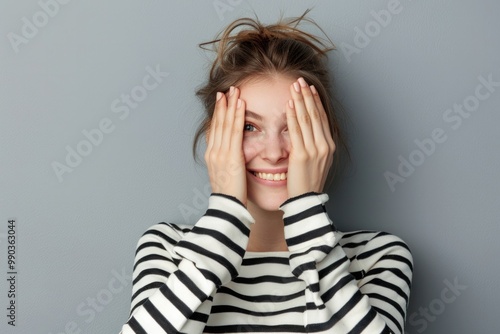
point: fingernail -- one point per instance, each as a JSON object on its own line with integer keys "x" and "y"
{"x": 313, "y": 90}
{"x": 296, "y": 87}
{"x": 238, "y": 105}
{"x": 219, "y": 95}
{"x": 231, "y": 90}
{"x": 290, "y": 103}
{"x": 302, "y": 82}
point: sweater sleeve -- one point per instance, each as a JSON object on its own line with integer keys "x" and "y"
{"x": 367, "y": 293}
{"x": 176, "y": 273}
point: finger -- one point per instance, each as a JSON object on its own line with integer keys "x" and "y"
{"x": 314, "y": 112}
{"x": 238, "y": 125}
{"x": 228, "y": 121}
{"x": 321, "y": 140}
{"x": 294, "y": 130}
{"x": 330, "y": 148}
{"x": 323, "y": 119}
{"x": 302, "y": 115}
{"x": 211, "y": 128}
{"x": 218, "y": 119}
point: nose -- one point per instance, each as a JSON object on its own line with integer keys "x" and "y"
{"x": 276, "y": 148}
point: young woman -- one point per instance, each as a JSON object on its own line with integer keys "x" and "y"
{"x": 265, "y": 257}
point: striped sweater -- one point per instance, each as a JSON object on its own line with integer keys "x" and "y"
{"x": 200, "y": 279}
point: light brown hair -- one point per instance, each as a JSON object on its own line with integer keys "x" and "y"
{"x": 248, "y": 49}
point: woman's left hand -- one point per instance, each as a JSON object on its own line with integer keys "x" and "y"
{"x": 312, "y": 145}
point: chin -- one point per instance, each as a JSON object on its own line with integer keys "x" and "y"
{"x": 266, "y": 204}
{"x": 267, "y": 199}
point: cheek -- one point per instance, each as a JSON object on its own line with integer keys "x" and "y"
{"x": 251, "y": 148}
{"x": 285, "y": 140}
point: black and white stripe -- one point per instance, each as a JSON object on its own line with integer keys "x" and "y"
{"x": 200, "y": 279}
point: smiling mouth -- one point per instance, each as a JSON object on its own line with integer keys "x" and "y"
{"x": 271, "y": 177}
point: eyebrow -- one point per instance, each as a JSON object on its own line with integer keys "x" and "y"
{"x": 249, "y": 113}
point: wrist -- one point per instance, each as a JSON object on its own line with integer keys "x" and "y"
{"x": 306, "y": 222}
{"x": 230, "y": 197}
{"x": 296, "y": 197}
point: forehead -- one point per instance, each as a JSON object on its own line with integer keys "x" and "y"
{"x": 266, "y": 95}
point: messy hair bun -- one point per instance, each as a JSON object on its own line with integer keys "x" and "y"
{"x": 248, "y": 49}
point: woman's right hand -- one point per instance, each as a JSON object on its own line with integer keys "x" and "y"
{"x": 224, "y": 155}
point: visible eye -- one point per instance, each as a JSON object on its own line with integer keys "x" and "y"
{"x": 249, "y": 127}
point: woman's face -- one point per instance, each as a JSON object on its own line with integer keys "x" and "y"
{"x": 266, "y": 144}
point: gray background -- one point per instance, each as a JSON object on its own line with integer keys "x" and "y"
{"x": 76, "y": 236}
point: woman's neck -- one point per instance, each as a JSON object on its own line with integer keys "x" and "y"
{"x": 267, "y": 234}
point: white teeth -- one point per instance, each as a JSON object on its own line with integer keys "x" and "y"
{"x": 271, "y": 177}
